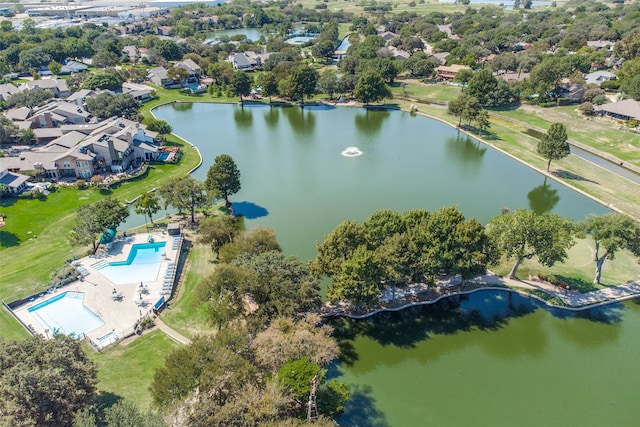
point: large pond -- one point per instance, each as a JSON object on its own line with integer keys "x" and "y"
{"x": 488, "y": 359}
{"x": 296, "y": 179}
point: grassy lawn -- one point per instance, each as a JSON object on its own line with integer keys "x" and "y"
{"x": 578, "y": 270}
{"x": 598, "y": 133}
{"x": 184, "y": 315}
{"x": 439, "y": 92}
{"x": 127, "y": 370}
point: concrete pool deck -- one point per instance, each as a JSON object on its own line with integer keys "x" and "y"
{"x": 119, "y": 315}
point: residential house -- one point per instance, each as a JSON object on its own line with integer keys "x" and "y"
{"x": 441, "y": 56}
{"x": 445, "y": 72}
{"x": 73, "y": 67}
{"x": 18, "y": 114}
{"x": 159, "y": 77}
{"x": 164, "y": 30}
{"x": 240, "y": 61}
{"x": 511, "y": 76}
{"x": 628, "y": 109}
{"x": 6, "y": 90}
{"x": 388, "y": 36}
{"x": 190, "y": 66}
{"x": 597, "y": 77}
{"x": 15, "y": 182}
{"x": 601, "y": 44}
{"x": 138, "y": 92}
{"x": 573, "y": 91}
{"x": 57, "y": 86}
{"x": 80, "y": 97}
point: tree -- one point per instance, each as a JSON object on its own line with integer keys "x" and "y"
{"x": 103, "y": 59}
{"x": 168, "y": 49}
{"x": 147, "y": 204}
{"x": 328, "y": 82}
{"x": 358, "y": 280}
{"x": 8, "y": 129}
{"x": 338, "y": 246}
{"x": 303, "y": 81}
{"x": 220, "y": 293}
{"x": 241, "y": 84}
{"x": 466, "y": 107}
{"x": 223, "y": 177}
{"x": 267, "y": 81}
{"x": 34, "y": 58}
{"x": 125, "y": 413}
{"x": 177, "y": 74}
{"x": 107, "y": 105}
{"x": 184, "y": 194}
{"x": 55, "y": 67}
{"x": 323, "y": 51}
{"x": 217, "y": 231}
{"x": 286, "y": 339}
{"x": 44, "y": 382}
{"x": 611, "y": 232}
{"x": 524, "y": 234}
{"x": 161, "y": 126}
{"x": 371, "y": 87}
{"x": 481, "y": 85}
{"x": 27, "y": 136}
{"x": 95, "y": 218}
{"x": 109, "y": 81}
{"x": 29, "y": 98}
{"x": 553, "y": 145}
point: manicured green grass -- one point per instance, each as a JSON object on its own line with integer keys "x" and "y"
{"x": 127, "y": 370}
{"x": 578, "y": 270}
{"x": 185, "y": 315}
{"x": 439, "y": 92}
{"x": 598, "y": 133}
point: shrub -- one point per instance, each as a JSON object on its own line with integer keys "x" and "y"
{"x": 586, "y": 108}
{"x": 564, "y": 101}
{"x": 633, "y": 123}
{"x": 600, "y": 99}
{"x": 81, "y": 184}
{"x": 610, "y": 85}
{"x": 96, "y": 180}
{"x": 548, "y": 104}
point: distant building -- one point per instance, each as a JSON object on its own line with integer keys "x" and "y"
{"x": 598, "y": 77}
{"x": 449, "y": 72}
{"x": 15, "y": 182}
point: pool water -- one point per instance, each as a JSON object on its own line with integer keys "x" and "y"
{"x": 142, "y": 265}
{"x": 163, "y": 156}
{"x": 67, "y": 314}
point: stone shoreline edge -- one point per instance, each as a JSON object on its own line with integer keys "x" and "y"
{"x": 488, "y": 288}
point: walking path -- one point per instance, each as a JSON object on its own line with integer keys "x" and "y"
{"x": 173, "y": 334}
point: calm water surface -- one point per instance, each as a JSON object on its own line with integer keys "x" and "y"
{"x": 296, "y": 181}
{"x": 488, "y": 359}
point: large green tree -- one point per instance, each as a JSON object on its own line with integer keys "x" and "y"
{"x": 553, "y": 145}
{"x": 44, "y": 382}
{"x": 95, "y": 218}
{"x": 524, "y": 234}
{"x": 241, "y": 84}
{"x": 611, "y": 233}
{"x": 465, "y": 107}
{"x": 371, "y": 87}
{"x": 217, "y": 231}
{"x": 8, "y": 129}
{"x": 223, "y": 177}
{"x": 185, "y": 194}
{"x": 147, "y": 204}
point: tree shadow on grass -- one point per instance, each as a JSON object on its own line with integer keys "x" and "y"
{"x": 570, "y": 175}
{"x": 8, "y": 239}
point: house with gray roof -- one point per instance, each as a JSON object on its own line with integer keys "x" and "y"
{"x": 73, "y": 67}
{"x": 240, "y": 61}
{"x": 628, "y": 109}
{"x": 15, "y": 182}
{"x": 6, "y": 90}
{"x": 190, "y": 67}
{"x": 597, "y": 77}
{"x": 158, "y": 76}
{"x": 57, "y": 86}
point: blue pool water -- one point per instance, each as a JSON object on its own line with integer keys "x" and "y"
{"x": 142, "y": 265}
{"x": 163, "y": 156}
{"x": 67, "y": 314}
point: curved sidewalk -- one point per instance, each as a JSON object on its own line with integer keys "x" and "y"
{"x": 172, "y": 333}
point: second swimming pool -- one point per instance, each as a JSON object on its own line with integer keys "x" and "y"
{"x": 141, "y": 265}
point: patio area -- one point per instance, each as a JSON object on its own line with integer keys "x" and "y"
{"x": 120, "y": 305}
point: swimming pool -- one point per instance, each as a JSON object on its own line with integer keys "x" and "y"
{"x": 67, "y": 314}
{"x": 142, "y": 264}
